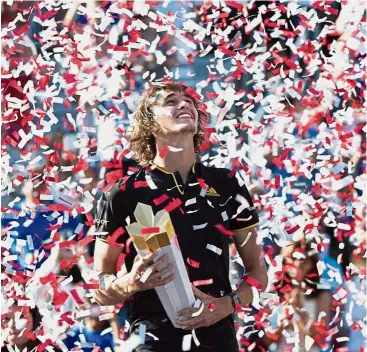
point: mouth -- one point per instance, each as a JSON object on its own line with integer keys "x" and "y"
{"x": 185, "y": 116}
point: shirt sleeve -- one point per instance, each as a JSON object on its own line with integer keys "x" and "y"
{"x": 109, "y": 218}
{"x": 245, "y": 215}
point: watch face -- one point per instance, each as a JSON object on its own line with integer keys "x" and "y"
{"x": 236, "y": 299}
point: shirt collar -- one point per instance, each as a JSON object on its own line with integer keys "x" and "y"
{"x": 193, "y": 167}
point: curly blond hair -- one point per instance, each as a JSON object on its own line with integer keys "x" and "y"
{"x": 142, "y": 140}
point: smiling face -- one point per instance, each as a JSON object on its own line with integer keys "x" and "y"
{"x": 13, "y": 324}
{"x": 160, "y": 113}
{"x": 175, "y": 112}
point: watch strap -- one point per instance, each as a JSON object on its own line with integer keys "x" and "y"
{"x": 234, "y": 298}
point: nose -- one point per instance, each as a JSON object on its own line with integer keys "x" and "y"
{"x": 11, "y": 323}
{"x": 183, "y": 104}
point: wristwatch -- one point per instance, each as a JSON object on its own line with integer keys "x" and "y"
{"x": 235, "y": 299}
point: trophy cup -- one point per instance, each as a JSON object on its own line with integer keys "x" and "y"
{"x": 156, "y": 233}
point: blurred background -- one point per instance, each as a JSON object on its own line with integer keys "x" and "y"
{"x": 283, "y": 84}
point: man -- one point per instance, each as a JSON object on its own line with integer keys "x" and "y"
{"x": 207, "y": 206}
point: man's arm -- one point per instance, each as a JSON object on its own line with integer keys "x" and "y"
{"x": 253, "y": 261}
{"x": 251, "y": 256}
{"x": 105, "y": 260}
{"x": 126, "y": 284}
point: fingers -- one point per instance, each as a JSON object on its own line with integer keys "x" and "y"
{"x": 147, "y": 258}
{"x": 163, "y": 282}
{"x": 144, "y": 261}
{"x": 193, "y": 323}
{"x": 163, "y": 274}
{"x": 186, "y": 311}
{"x": 160, "y": 264}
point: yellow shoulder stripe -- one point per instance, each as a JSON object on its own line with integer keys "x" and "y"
{"x": 245, "y": 228}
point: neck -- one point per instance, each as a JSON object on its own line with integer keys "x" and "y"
{"x": 21, "y": 346}
{"x": 181, "y": 160}
{"x": 29, "y": 200}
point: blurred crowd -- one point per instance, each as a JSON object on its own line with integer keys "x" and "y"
{"x": 284, "y": 87}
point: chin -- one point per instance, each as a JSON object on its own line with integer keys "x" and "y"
{"x": 185, "y": 128}
{"x": 13, "y": 340}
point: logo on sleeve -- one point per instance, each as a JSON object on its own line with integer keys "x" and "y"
{"x": 101, "y": 221}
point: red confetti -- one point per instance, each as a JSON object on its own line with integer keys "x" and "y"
{"x": 202, "y": 282}
{"x": 224, "y": 231}
{"x": 293, "y": 229}
{"x": 112, "y": 240}
{"x": 161, "y": 199}
{"x": 253, "y": 282}
{"x": 192, "y": 92}
{"x": 202, "y": 183}
{"x": 164, "y": 151}
{"x": 150, "y": 230}
{"x": 193, "y": 263}
{"x": 272, "y": 336}
{"x": 120, "y": 261}
{"x": 175, "y": 203}
{"x": 76, "y": 297}
{"x": 139, "y": 184}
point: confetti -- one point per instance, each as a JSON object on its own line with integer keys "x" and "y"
{"x": 190, "y": 202}
{"x": 194, "y": 337}
{"x": 202, "y": 282}
{"x": 146, "y": 275}
{"x": 193, "y": 263}
{"x": 199, "y": 311}
{"x": 175, "y": 203}
{"x": 223, "y": 230}
{"x": 161, "y": 199}
{"x": 150, "y": 230}
{"x": 214, "y": 249}
{"x": 186, "y": 342}
{"x": 30, "y": 242}
{"x": 199, "y": 227}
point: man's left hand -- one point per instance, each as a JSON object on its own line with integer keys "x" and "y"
{"x": 211, "y": 311}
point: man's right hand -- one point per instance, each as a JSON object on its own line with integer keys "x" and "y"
{"x": 161, "y": 273}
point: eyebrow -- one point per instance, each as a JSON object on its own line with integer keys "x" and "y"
{"x": 174, "y": 93}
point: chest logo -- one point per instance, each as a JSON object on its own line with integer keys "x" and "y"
{"x": 212, "y": 192}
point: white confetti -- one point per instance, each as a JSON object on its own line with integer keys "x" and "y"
{"x": 339, "y": 184}
{"x": 106, "y": 331}
{"x": 67, "y": 281}
{"x": 200, "y": 310}
{"x": 308, "y": 342}
{"x": 30, "y": 242}
{"x": 341, "y": 293}
{"x": 46, "y": 197}
{"x": 247, "y": 239}
{"x": 190, "y": 202}
{"x": 224, "y": 216}
{"x": 199, "y": 227}
{"x": 196, "y": 340}
{"x": 146, "y": 275}
{"x": 155, "y": 338}
{"x": 186, "y": 342}
{"x": 150, "y": 182}
{"x": 214, "y": 249}
{"x": 79, "y": 228}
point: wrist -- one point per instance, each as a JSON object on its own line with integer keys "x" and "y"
{"x": 131, "y": 285}
{"x": 227, "y": 306}
{"x": 124, "y": 286}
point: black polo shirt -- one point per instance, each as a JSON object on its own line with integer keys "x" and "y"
{"x": 205, "y": 212}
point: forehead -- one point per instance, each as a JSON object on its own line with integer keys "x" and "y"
{"x": 14, "y": 312}
{"x": 164, "y": 94}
